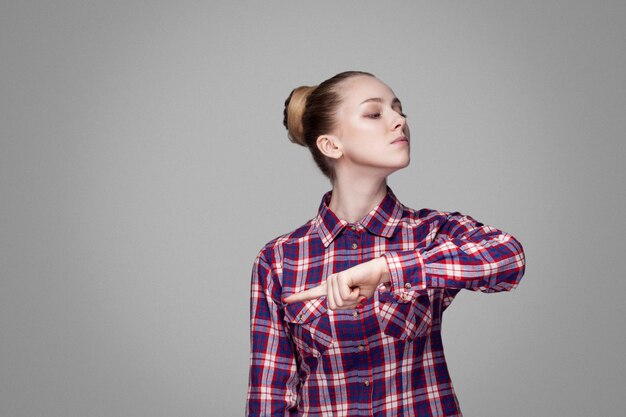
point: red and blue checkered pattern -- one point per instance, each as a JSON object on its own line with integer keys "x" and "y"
{"x": 385, "y": 357}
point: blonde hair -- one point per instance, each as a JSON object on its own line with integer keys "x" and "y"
{"x": 294, "y": 106}
{"x": 310, "y": 111}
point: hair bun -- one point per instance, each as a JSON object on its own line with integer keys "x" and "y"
{"x": 292, "y": 115}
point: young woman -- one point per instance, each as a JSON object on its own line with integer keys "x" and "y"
{"x": 346, "y": 310}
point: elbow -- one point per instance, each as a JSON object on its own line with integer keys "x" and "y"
{"x": 519, "y": 259}
{"x": 512, "y": 268}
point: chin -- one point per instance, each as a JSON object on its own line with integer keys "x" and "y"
{"x": 405, "y": 163}
{"x": 398, "y": 166}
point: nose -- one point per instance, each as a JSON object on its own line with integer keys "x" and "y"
{"x": 399, "y": 122}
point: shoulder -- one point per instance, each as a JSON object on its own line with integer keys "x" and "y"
{"x": 272, "y": 251}
{"x": 429, "y": 220}
{"x": 413, "y": 218}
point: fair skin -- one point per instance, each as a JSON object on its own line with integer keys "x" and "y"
{"x": 370, "y": 142}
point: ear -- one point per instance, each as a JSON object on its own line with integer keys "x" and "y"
{"x": 329, "y": 146}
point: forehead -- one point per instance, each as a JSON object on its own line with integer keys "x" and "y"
{"x": 360, "y": 88}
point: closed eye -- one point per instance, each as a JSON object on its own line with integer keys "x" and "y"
{"x": 399, "y": 111}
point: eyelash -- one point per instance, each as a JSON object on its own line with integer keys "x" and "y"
{"x": 377, "y": 115}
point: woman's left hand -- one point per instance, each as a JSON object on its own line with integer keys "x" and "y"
{"x": 347, "y": 289}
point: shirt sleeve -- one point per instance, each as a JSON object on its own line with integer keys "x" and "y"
{"x": 273, "y": 378}
{"x": 464, "y": 254}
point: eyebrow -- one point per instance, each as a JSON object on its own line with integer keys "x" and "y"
{"x": 395, "y": 100}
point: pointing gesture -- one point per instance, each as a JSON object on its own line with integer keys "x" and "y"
{"x": 346, "y": 289}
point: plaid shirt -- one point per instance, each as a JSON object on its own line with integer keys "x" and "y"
{"x": 385, "y": 357}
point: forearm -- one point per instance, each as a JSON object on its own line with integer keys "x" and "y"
{"x": 481, "y": 258}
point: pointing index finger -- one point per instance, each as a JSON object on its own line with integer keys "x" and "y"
{"x": 306, "y": 295}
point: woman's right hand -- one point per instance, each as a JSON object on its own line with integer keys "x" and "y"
{"x": 347, "y": 289}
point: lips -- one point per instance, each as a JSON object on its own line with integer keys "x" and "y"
{"x": 401, "y": 139}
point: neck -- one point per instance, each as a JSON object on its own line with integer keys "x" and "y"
{"x": 354, "y": 198}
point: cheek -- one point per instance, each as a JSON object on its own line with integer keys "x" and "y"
{"x": 362, "y": 125}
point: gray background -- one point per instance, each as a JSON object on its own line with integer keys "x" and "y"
{"x": 143, "y": 164}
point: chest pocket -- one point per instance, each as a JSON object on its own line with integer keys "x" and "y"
{"x": 309, "y": 326}
{"x": 405, "y": 318}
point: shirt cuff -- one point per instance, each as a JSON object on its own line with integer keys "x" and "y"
{"x": 407, "y": 273}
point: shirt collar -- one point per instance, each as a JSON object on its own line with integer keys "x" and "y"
{"x": 381, "y": 221}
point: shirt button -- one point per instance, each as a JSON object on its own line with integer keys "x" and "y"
{"x": 353, "y": 228}
{"x": 354, "y": 246}
{"x": 355, "y": 314}
{"x": 366, "y": 383}
{"x": 407, "y": 286}
{"x": 361, "y": 348}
